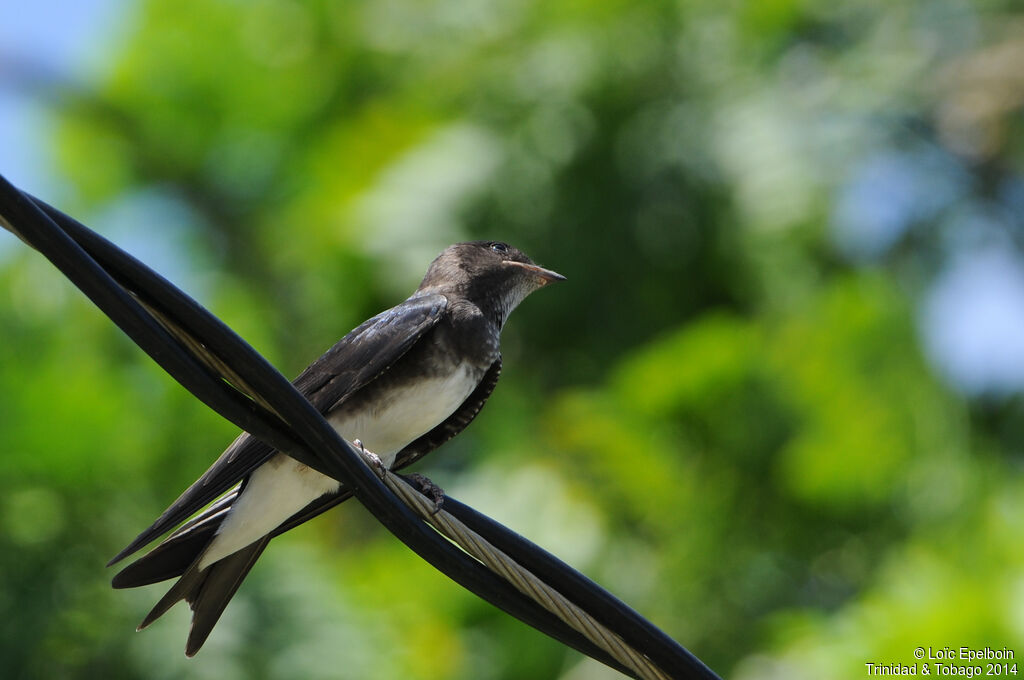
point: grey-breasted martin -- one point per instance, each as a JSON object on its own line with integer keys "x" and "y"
{"x": 403, "y": 383}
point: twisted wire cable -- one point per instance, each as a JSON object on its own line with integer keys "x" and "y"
{"x": 523, "y": 580}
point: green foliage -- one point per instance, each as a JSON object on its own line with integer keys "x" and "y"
{"x": 719, "y": 416}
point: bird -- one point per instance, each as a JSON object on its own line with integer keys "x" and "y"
{"x": 401, "y": 384}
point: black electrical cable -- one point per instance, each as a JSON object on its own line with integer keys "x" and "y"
{"x": 36, "y": 228}
{"x": 100, "y": 269}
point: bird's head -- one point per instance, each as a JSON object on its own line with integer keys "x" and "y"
{"x": 493, "y": 275}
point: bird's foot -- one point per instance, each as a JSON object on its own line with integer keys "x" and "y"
{"x": 372, "y": 459}
{"x": 427, "y": 488}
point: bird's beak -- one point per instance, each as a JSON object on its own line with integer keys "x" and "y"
{"x": 544, "y": 276}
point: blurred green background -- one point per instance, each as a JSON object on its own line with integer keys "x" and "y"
{"x": 776, "y": 407}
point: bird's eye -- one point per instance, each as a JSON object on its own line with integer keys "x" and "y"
{"x": 499, "y": 247}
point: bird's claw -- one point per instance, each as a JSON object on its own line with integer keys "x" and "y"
{"x": 372, "y": 459}
{"x": 426, "y": 487}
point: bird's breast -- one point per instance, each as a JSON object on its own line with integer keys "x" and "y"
{"x": 403, "y": 410}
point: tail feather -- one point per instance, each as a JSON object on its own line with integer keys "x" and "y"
{"x": 190, "y": 583}
{"x": 211, "y": 595}
{"x": 208, "y": 590}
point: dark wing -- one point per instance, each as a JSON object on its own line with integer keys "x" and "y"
{"x": 355, "y": 360}
{"x": 177, "y": 552}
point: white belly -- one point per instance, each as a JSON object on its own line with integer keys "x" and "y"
{"x": 282, "y": 486}
{"x": 405, "y": 413}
